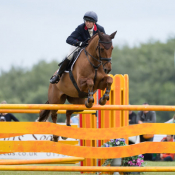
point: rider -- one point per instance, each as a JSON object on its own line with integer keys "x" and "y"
{"x": 79, "y": 38}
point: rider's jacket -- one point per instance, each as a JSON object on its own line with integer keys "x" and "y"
{"x": 81, "y": 33}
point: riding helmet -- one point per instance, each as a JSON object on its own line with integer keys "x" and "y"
{"x": 90, "y": 16}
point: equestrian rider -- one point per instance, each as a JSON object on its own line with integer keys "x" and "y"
{"x": 79, "y": 38}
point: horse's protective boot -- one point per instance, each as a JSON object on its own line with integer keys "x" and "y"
{"x": 56, "y": 78}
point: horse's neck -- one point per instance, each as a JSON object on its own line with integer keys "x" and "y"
{"x": 93, "y": 46}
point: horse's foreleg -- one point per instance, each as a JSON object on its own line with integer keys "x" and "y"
{"x": 106, "y": 83}
{"x": 90, "y": 100}
{"x": 54, "y": 119}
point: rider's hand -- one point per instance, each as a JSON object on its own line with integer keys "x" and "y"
{"x": 82, "y": 44}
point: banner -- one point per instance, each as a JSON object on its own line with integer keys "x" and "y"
{"x": 26, "y": 155}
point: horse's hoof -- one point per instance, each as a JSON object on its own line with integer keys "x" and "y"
{"x": 64, "y": 138}
{"x": 54, "y": 140}
{"x": 88, "y": 105}
{"x": 101, "y": 101}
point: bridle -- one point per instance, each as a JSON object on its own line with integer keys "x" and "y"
{"x": 98, "y": 60}
{"x": 101, "y": 58}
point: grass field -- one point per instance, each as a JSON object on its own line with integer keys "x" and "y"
{"x": 76, "y": 173}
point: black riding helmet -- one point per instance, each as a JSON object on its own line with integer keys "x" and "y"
{"x": 90, "y": 16}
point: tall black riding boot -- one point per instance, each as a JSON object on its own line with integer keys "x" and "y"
{"x": 56, "y": 78}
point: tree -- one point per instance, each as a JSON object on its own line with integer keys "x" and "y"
{"x": 150, "y": 67}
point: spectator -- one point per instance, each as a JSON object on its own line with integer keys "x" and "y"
{"x": 132, "y": 120}
{"x": 146, "y": 117}
{"x": 2, "y": 119}
{"x": 167, "y": 156}
{"x": 132, "y": 117}
{"x": 8, "y": 116}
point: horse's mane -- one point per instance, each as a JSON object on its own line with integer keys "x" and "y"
{"x": 103, "y": 37}
{"x": 92, "y": 38}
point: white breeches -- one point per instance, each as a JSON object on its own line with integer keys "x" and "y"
{"x": 71, "y": 52}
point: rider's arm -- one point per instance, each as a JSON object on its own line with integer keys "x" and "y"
{"x": 75, "y": 37}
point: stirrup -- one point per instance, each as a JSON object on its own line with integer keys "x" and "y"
{"x": 56, "y": 80}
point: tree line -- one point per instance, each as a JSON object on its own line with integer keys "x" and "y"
{"x": 150, "y": 67}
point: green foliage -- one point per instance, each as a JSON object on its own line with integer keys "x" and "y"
{"x": 151, "y": 73}
{"x": 113, "y": 143}
{"x": 150, "y": 67}
{"x": 28, "y": 87}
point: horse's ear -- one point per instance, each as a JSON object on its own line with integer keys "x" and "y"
{"x": 113, "y": 35}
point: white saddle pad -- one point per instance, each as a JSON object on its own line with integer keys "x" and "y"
{"x": 74, "y": 61}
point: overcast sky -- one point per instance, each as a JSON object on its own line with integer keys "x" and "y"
{"x": 33, "y": 30}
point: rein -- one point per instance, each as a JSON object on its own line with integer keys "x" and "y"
{"x": 101, "y": 58}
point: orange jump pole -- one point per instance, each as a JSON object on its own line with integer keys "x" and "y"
{"x": 41, "y": 161}
{"x": 82, "y": 107}
{"x": 35, "y": 111}
{"x": 85, "y": 168}
{"x": 22, "y": 128}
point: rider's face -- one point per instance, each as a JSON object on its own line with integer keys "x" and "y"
{"x": 89, "y": 24}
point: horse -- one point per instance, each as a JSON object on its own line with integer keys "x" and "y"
{"x": 89, "y": 73}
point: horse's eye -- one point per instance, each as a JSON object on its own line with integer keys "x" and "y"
{"x": 102, "y": 49}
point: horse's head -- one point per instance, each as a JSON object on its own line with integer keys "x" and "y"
{"x": 104, "y": 50}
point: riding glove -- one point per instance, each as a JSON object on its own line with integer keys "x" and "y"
{"x": 82, "y": 44}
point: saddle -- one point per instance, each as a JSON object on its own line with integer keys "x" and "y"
{"x": 68, "y": 70}
{"x": 76, "y": 53}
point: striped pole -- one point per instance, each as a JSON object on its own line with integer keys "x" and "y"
{"x": 85, "y": 168}
{"x": 41, "y": 161}
{"x": 82, "y": 107}
{"x": 35, "y": 111}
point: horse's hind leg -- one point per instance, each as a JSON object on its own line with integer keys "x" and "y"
{"x": 106, "y": 83}
{"x": 70, "y": 112}
{"x": 56, "y": 97}
{"x": 68, "y": 116}
{"x": 73, "y": 100}
{"x": 43, "y": 115}
{"x": 54, "y": 119}
{"x": 90, "y": 100}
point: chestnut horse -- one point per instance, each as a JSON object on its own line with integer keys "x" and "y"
{"x": 89, "y": 74}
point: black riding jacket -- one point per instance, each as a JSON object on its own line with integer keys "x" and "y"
{"x": 81, "y": 33}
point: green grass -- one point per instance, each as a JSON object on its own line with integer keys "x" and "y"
{"x": 148, "y": 163}
{"x": 160, "y": 163}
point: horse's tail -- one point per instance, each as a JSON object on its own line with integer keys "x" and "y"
{"x": 43, "y": 115}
